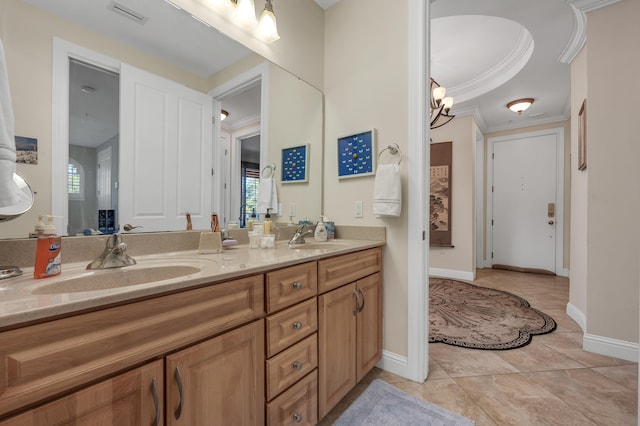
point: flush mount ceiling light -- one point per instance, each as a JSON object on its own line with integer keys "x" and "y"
{"x": 439, "y": 106}
{"x": 520, "y": 105}
{"x": 267, "y": 28}
{"x": 223, "y": 114}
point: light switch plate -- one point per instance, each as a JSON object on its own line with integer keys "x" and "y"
{"x": 357, "y": 209}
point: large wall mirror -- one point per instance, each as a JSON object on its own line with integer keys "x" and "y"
{"x": 269, "y": 110}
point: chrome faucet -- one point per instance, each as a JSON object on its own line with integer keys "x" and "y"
{"x": 298, "y": 237}
{"x": 113, "y": 256}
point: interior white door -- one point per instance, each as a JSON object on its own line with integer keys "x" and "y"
{"x": 524, "y": 195}
{"x": 104, "y": 178}
{"x": 165, "y": 152}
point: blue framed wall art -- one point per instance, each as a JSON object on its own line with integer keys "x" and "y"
{"x": 295, "y": 164}
{"x": 356, "y": 154}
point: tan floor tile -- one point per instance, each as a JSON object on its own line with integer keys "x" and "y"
{"x": 537, "y": 357}
{"x": 435, "y": 371}
{"x": 563, "y": 321}
{"x": 597, "y": 397}
{"x": 461, "y": 362}
{"x": 626, "y": 375}
{"x": 447, "y": 394}
{"x": 514, "y": 399}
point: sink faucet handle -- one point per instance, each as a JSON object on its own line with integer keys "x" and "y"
{"x": 129, "y": 227}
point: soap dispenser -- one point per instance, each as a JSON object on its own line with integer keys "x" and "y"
{"x": 321, "y": 230}
{"x": 267, "y": 222}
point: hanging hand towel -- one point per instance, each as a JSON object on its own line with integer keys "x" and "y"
{"x": 267, "y": 195}
{"x": 387, "y": 191}
{"x": 9, "y": 195}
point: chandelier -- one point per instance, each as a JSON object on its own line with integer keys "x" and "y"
{"x": 439, "y": 106}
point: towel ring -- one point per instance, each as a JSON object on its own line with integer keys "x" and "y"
{"x": 269, "y": 170}
{"x": 394, "y": 150}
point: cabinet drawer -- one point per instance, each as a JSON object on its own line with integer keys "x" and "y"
{"x": 340, "y": 270}
{"x": 291, "y": 285}
{"x": 298, "y": 405}
{"x": 289, "y": 326}
{"x": 39, "y": 361}
{"x": 291, "y": 365}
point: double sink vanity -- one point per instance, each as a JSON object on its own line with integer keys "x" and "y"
{"x": 246, "y": 336}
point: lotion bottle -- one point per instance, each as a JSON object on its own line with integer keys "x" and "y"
{"x": 48, "y": 248}
{"x": 321, "y": 231}
{"x": 267, "y": 223}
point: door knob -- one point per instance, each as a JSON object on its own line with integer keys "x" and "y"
{"x": 551, "y": 222}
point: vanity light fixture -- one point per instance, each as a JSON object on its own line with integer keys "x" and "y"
{"x": 520, "y": 105}
{"x": 223, "y": 114}
{"x": 245, "y": 14}
{"x": 267, "y": 28}
{"x": 220, "y": 6}
{"x": 439, "y": 106}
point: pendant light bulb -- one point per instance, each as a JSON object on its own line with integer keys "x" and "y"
{"x": 267, "y": 28}
{"x": 245, "y": 14}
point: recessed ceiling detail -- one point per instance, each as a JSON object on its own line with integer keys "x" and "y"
{"x": 474, "y": 54}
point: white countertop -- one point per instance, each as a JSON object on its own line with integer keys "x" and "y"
{"x": 24, "y": 299}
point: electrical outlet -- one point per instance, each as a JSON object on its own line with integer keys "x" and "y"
{"x": 357, "y": 209}
{"x": 292, "y": 209}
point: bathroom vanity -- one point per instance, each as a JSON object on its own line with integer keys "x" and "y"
{"x": 247, "y": 337}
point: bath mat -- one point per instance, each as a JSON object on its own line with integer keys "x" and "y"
{"x": 383, "y": 404}
{"x": 470, "y": 316}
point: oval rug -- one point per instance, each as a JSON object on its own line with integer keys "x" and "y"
{"x": 463, "y": 314}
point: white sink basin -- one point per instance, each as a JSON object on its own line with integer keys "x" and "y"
{"x": 105, "y": 279}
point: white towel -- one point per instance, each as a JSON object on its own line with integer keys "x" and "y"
{"x": 387, "y": 191}
{"x": 9, "y": 194}
{"x": 267, "y": 195}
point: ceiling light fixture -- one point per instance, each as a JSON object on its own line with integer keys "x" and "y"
{"x": 220, "y": 6}
{"x": 245, "y": 14}
{"x": 520, "y": 105}
{"x": 88, "y": 89}
{"x": 223, "y": 114}
{"x": 439, "y": 106}
{"x": 267, "y": 28}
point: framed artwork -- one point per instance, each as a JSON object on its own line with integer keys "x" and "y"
{"x": 26, "y": 150}
{"x": 582, "y": 136}
{"x": 356, "y": 154}
{"x": 295, "y": 164}
{"x": 440, "y": 195}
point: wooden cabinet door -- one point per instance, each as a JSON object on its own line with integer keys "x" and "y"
{"x": 219, "y": 381}
{"x": 369, "y": 324}
{"x": 336, "y": 345}
{"x": 130, "y": 399}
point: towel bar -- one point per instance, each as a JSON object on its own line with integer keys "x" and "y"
{"x": 268, "y": 171}
{"x": 394, "y": 150}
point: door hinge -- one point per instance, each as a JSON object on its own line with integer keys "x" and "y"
{"x": 493, "y": 156}
{"x": 492, "y": 255}
{"x": 491, "y": 188}
{"x": 424, "y": 235}
{"x": 491, "y": 222}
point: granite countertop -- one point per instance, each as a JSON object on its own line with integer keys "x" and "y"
{"x": 25, "y": 299}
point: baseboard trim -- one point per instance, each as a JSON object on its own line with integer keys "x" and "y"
{"x": 452, "y": 274}
{"x": 610, "y": 347}
{"x": 577, "y": 315}
{"x": 394, "y": 363}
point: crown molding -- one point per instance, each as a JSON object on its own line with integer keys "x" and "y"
{"x": 578, "y": 37}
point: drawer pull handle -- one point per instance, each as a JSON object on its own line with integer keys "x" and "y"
{"x": 363, "y": 300}
{"x": 297, "y": 325}
{"x": 356, "y": 296}
{"x": 178, "y": 378}
{"x": 297, "y": 285}
{"x": 297, "y": 365}
{"x": 156, "y": 404}
{"x": 297, "y": 417}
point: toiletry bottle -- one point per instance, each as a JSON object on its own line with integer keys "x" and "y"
{"x": 48, "y": 248}
{"x": 252, "y": 219}
{"x": 267, "y": 223}
{"x": 321, "y": 231}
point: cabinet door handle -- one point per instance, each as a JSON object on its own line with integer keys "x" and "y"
{"x": 297, "y": 365}
{"x": 297, "y": 325}
{"x": 297, "y": 285}
{"x": 154, "y": 393}
{"x": 363, "y": 300}
{"x": 356, "y": 296}
{"x": 297, "y": 417}
{"x": 178, "y": 378}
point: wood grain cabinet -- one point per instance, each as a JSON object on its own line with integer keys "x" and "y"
{"x": 349, "y": 324}
{"x": 292, "y": 345}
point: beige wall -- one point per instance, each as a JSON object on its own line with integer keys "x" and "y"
{"x": 613, "y": 209}
{"x": 301, "y": 29}
{"x": 366, "y": 80}
{"x": 460, "y": 258}
{"x": 29, "y": 64}
{"x": 579, "y": 181}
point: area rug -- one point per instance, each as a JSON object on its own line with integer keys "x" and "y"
{"x": 470, "y": 316}
{"x": 383, "y": 404}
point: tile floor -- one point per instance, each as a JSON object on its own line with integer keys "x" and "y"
{"x": 551, "y": 381}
